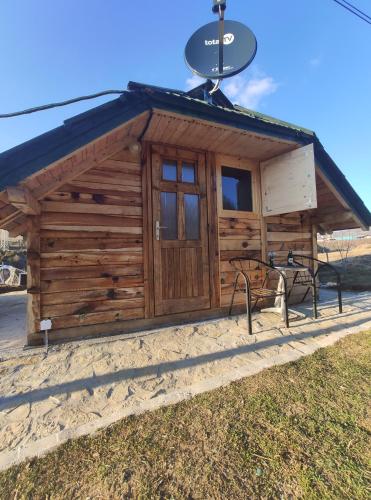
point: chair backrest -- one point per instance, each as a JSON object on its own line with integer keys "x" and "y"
{"x": 255, "y": 269}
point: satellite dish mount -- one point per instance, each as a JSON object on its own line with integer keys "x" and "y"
{"x": 219, "y": 8}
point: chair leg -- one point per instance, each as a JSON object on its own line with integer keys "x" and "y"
{"x": 285, "y": 298}
{"x": 233, "y": 294}
{"x": 314, "y": 298}
{"x": 248, "y": 311}
{"x": 340, "y": 299}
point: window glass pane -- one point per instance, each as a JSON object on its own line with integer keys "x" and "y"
{"x": 169, "y": 219}
{"x": 192, "y": 216}
{"x": 188, "y": 172}
{"x": 169, "y": 170}
{"x": 237, "y": 189}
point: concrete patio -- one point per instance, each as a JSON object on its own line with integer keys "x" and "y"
{"x": 82, "y": 386}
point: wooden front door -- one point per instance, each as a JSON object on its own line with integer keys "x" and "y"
{"x": 181, "y": 259}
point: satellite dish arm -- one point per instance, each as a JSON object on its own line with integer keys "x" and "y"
{"x": 219, "y": 7}
{"x": 221, "y": 40}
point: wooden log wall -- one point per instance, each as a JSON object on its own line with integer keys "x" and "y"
{"x": 91, "y": 233}
{"x": 290, "y": 232}
{"x": 245, "y": 237}
{"x": 239, "y": 236}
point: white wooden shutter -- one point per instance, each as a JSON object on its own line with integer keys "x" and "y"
{"x": 289, "y": 182}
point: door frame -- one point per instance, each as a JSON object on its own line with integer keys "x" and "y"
{"x": 148, "y": 229}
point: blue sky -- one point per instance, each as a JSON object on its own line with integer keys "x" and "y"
{"x": 313, "y": 65}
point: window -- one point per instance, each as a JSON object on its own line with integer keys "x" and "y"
{"x": 188, "y": 172}
{"x": 169, "y": 218}
{"x": 179, "y": 171}
{"x": 169, "y": 170}
{"x": 192, "y": 216}
{"x": 237, "y": 189}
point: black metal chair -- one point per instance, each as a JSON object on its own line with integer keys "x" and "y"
{"x": 254, "y": 294}
{"x": 314, "y": 266}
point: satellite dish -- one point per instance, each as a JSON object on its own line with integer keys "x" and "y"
{"x": 202, "y": 50}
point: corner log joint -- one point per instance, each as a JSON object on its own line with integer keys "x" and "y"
{"x": 23, "y": 200}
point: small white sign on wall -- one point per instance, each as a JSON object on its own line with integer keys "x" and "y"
{"x": 289, "y": 182}
{"x": 45, "y": 324}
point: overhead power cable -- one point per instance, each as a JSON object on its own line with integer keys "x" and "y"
{"x": 358, "y": 10}
{"x": 354, "y": 10}
{"x": 59, "y": 104}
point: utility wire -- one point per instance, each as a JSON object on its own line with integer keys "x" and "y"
{"x": 59, "y": 104}
{"x": 353, "y": 10}
{"x": 358, "y": 10}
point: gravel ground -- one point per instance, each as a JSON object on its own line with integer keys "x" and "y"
{"x": 80, "y": 382}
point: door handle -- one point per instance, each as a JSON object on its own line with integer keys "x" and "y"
{"x": 158, "y": 227}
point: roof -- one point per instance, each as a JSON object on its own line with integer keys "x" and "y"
{"x": 28, "y": 158}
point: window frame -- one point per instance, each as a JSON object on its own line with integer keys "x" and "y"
{"x": 241, "y": 164}
{"x": 179, "y": 160}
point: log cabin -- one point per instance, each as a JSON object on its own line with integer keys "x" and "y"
{"x": 133, "y": 209}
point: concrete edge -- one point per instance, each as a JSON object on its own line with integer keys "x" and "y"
{"x": 45, "y": 445}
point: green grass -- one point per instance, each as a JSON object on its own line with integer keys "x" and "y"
{"x": 295, "y": 431}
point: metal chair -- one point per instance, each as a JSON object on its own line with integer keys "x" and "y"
{"x": 254, "y": 294}
{"x": 315, "y": 265}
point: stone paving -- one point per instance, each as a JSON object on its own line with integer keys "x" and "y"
{"x": 80, "y": 387}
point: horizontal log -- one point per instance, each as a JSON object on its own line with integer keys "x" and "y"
{"x": 283, "y": 219}
{"x": 226, "y": 255}
{"x": 98, "y": 187}
{"x": 232, "y": 223}
{"x": 299, "y": 228}
{"x": 226, "y": 266}
{"x": 132, "y": 200}
{"x": 123, "y": 231}
{"x": 229, "y": 277}
{"x": 74, "y": 244}
{"x": 78, "y": 233}
{"x": 97, "y": 318}
{"x": 289, "y": 245}
{"x": 63, "y": 259}
{"x": 68, "y": 219}
{"x": 282, "y": 236}
{"x": 111, "y": 174}
{"x": 239, "y": 244}
{"x": 90, "y": 208}
{"x": 110, "y": 180}
{"x": 285, "y": 252}
{"x": 99, "y": 271}
{"x": 84, "y": 188}
{"x": 88, "y": 307}
{"x": 241, "y": 234}
{"x": 91, "y": 284}
{"x": 227, "y": 288}
{"x": 73, "y": 297}
{"x": 117, "y": 164}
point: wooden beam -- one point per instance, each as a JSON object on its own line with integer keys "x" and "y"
{"x": 9, "y": 219}
{"x": 333, "y": 218}
{"x": 33, "y": 274}
{"x": 214, "y": 254}
{"x": 19, "y": 229}
{"x": 338, "y": 196}
{"x": 22, "y": 199}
